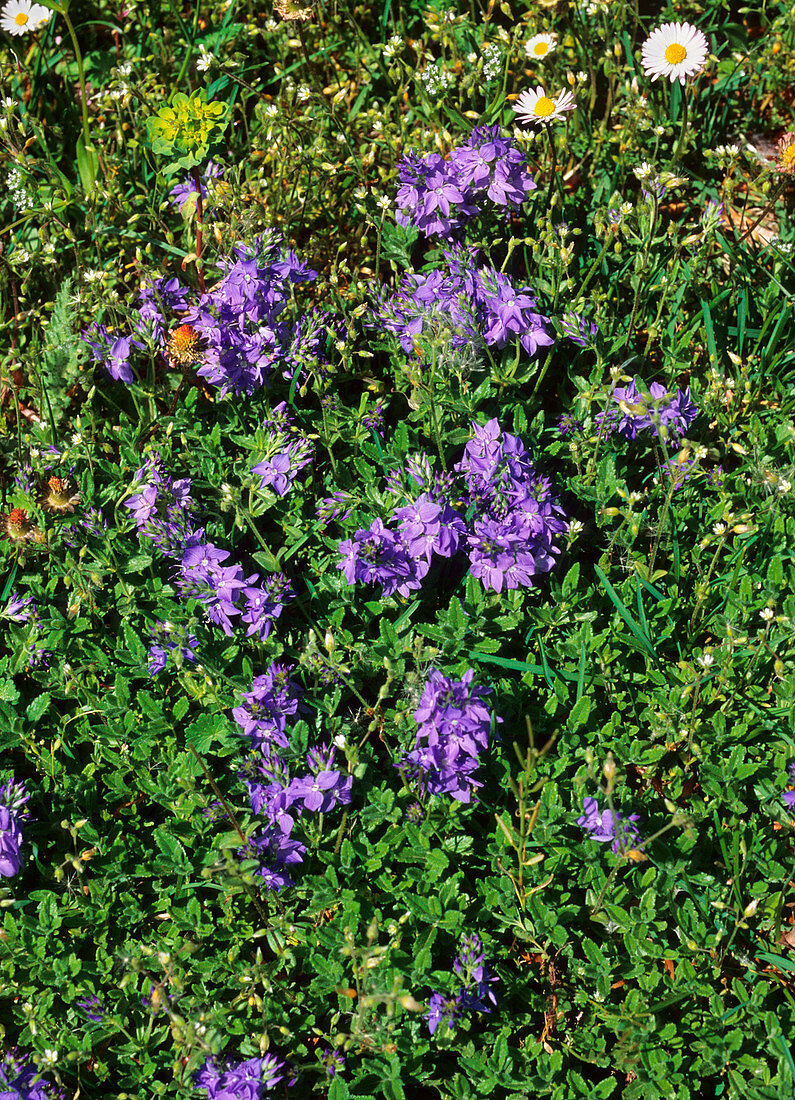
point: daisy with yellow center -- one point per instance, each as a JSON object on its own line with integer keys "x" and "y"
{"x": 22, "y": 16}
{"x": 785, "y": 151}
{"x": 536, "y": 107}
{"x": 675, "y": 51}
{"x": 540, "y": 45}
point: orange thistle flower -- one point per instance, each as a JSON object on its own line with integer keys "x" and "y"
{"x": 17, "y": 526}
{"x": 56, "y": 495}
{"x": 786, "y": 154}
{"x": 183, "y": 346}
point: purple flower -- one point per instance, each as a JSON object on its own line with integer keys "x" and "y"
{"x": 324, "y": 788}
{"x": 13, "y": 812}
{"x": 172, "y": 641}
{"x": 333, "y": 1061}
{"x": 475, "y": 993}
{"x": 217, "y": 586}
{"x": 19, "y": 608}
{"x": 248, "y": 1080}
{"x": 275, "y": 850}
{"x": 378, "y": 556}
{"x": 609, "y": 828}
{"x": 181, "y": 192}
{"x": 163, "y": 510}
{"x": 471, "y": 306}
{"x": 454, "y": 724}
{"x": 19, "y": 1081}
{"x": 439, "y": 196}
{"x": 667, "y": 415}
{"x": 443, "y": 1008}
{"x": 265, "y": 603}
{"x": 280, "y": 470}
{"x": 273, "y": 698}
{"x": 789, "y": 795}
{"x": 578, "y": 329}
{"x": 338, "y": 506}
{"x": 93, "y": 1008}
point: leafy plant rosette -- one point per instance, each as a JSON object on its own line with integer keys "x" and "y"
{"x": 187, "y": 131}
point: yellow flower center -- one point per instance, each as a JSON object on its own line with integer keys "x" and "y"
{"x": 675, "y": 54}
{"x": 788, "y": 158}
{"x": 544, "y": 106}
{"x": 21, "y": 18}
{"x": 540, "y": 48}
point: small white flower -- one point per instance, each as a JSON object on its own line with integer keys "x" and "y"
{"x": 536, "y": 107}
{"x": 784, "y": 485}
{"x": 540, "y": 45}
{"x": 674, "y": 50}
{"x": 706, "y": 660}
{"x": 643, "y": 172}
{"x": 719, "y": 528}
{"x": 205, "y": 60}
{"x": 49, "y": 1058}
{"x": 767, "y": 614}
{"x": 271, "y": 110}
{"x": 21, "y": 16}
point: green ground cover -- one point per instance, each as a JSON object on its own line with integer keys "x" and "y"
{"x": 396, "y": 571}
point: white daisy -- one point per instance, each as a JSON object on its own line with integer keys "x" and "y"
{"x": 537, "y": 107}
{"x": 540, "y": 45}
{"x": 675, "y": 50}
{"x": 21, "y": 16}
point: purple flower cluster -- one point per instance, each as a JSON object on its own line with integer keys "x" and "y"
{"x": 164, "y": 514}
{"x": 608, "y": 827}
{"x": 789, "y": 795}
{"x": 577, "y": 328}
{"x": 19, "y": 608}
{"x": 287, "y": 452}
{"x": 170, "y": 640}
{"x": 667, "y": 415}
{"x": 235, "y": 324}
{"x": 505, "y": 519}
{"x": 474, "y": 994}
{"x": 467, "y": 304}
{"x": 19, "y": 1081}
{"x": 164, "y": 510}
{"x": 439, "y": 195}
{"x": 13, "y": 813}
{"x": 226, "y": 593}
{"x": 453, "y": 725}
{"x": 248, "y": 1080}
{"x": 274, "y": 794}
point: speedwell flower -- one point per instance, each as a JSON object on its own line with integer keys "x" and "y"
{"x": 674, "y": 50}
{"x": 536, "y": 107}
{"x": 540, "y": 45}
{"x": 21, "y": 16}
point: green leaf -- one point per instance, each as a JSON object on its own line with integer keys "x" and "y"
{"x": 87, "y": 164}
{"x": 38, "y": 707}
{"x": 578, "y": 715}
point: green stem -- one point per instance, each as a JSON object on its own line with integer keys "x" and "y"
{"x": 80, "y": 72}
{"x": 682, "y": 132}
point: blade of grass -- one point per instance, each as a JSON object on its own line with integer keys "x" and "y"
{"x": 620, "y": 607}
